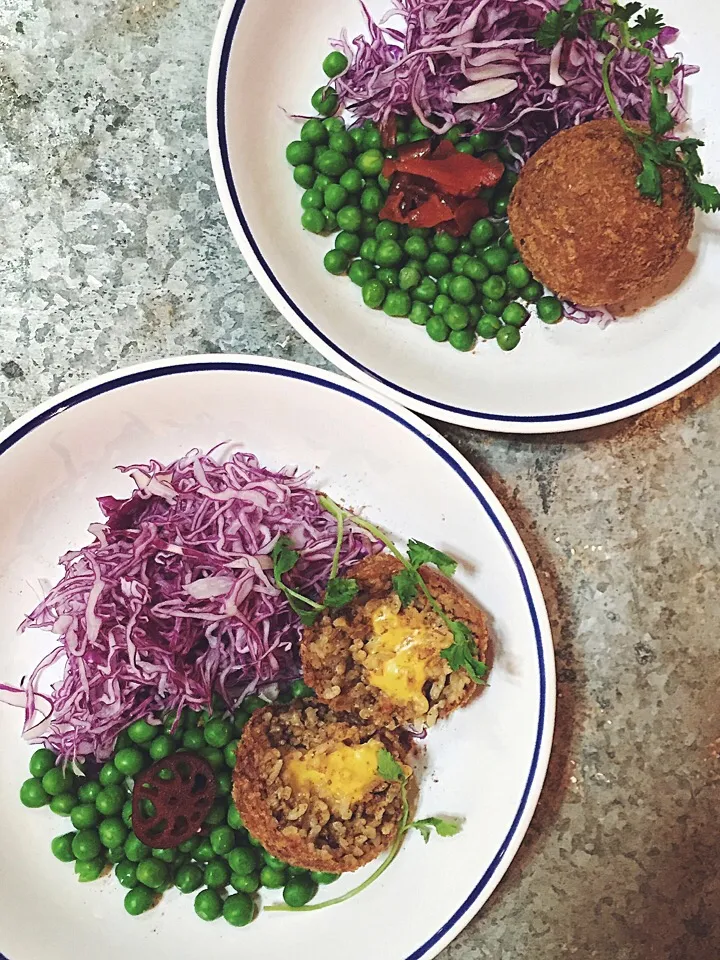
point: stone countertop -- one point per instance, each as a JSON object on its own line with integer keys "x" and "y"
{"x": 114, "y": 250}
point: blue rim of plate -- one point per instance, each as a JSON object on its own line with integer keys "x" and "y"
{"x": 199, "y": 366}
{"x": 550, "y": 418}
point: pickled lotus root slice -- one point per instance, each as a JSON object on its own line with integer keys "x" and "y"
{"x": 171, "y": 800}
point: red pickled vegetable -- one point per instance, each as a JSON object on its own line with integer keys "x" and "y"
{"x": 171, "y": 800}
{"x": 458, "y": 174}
{"x": 465, "y": 217}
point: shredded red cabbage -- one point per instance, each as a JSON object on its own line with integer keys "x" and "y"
{"x": 175, "y": 599}
{"x": 454, "y": 61}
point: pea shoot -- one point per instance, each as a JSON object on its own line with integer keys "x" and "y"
{"x": 629, "y": 27}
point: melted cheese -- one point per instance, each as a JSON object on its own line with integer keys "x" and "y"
{"x": 400, "y": 655}
{"x": 343, "y": 774}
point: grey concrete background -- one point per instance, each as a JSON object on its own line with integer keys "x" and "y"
{"x": 114, "y": 249}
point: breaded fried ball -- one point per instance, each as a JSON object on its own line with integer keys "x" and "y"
{"x": 307, "y": 785}
{"x": 382, "y": 662}
{"x": 583, "y": 228}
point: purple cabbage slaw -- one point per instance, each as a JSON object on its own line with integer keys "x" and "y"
{"x": 175, "y": 599}
{"x": 477, "y": 61}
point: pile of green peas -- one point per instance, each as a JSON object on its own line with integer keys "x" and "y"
{"x": 223, "y": 866}
{"x": 458, "y": 289}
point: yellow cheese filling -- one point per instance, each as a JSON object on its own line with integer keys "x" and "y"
{"x": 340, "y": 773}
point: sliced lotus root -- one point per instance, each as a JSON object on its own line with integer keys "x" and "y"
{"x": 171, "y": 800}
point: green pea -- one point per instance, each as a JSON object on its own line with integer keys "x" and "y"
{"x": 89, "y": 791}
{"x": 476, "y": 311}
{"x": 63, "y": 804}
{"x": 409, "y": 278}
{"x": 457, "y": 316}
{"x": 222, "y": 840}
{"x": 372, "y": 200}
{"x": 334, "y": 64}
{"x": 483, "y": 141}
{"x": 402, "y": 138}
{"x": 482, "y": 233}
{"x": 331, "y": 224}
{"x": 508, "y": 242}
{"x": 333, "y": 125}
{"x": 508, "y": 338}
{"x": 420, "y": 313}
{"x": 204, "y": 852}
{"x": 300, "y": 689}
{"x": 438, "y": 264}
{"x": 549, "y": 309}
{"x": 441, "y": 305}
{"x": 475, "y": 270}
{"x": 299, "y": 890}
{"x": 500, "y": 205}
{"x": 426, "y": 291}
{"x": 272, "y": 879}
{"x": 314, "y": 222}
{"x": 331, "y": 163}
{"x": 230, "y": 752}
{"x": 127, "y": 814}
{"x": 218, "y": 813}
{"x": 494, "y": 307}
{"x": 372, "y": 138}
{"x": 373, "y": 294}
{"x": 389, "y": 253}
{"x": 488, "y": 326}
{"x": 254, "y": 842}
{"x": 111, "y": 800}
{"x": 234, "y": 820}
{"x": 275, "y": 862}
{"x": 518, "y": 275}
{"x": 245, "y": 882}
{"x": 459, "y": 262}
{"x": 467, "y": 247}
{"x": 167, "y": 856}
{"x": 495, "y": 259}
{"x": 368, "y": 249}
{"x": 352, "y": 180}
{"x": 462, "y": 340}
{"x": 162, "y": 747}
{"x": 444, "y": 283}
{"x": 417, "y": 248}
{"x": 242, "y": 860}
{"x": 110, "y": 775}
{"x": 135, "y": 849}
{"x": 116, "y": 854}
{"x": 253, "y": 703}
{"x": 86, "y": 845}
{"x": 113, "y": 832}
{"x": 360, "y": 271}
{"x": 387, "y": 230}
{"x": 397, "y": 303}
{"x": 126, "y": 873}
{"x": 299, "y": 152}
{"x": 532, "y": 292}
{"x": 462, "y": 289}
{"x": 152, "y": 873}
{"x": 41, "y": 762}
{"x": 515, "y": 315}
{"x": 324, "y": 877}
{"x": 87, "y": 871}
{"x": 417, "y": 126}
{"x": 57, "y": 781}
{"x": 189, "y": 878}
{"x": 370, "y": 163}
{"x": 84, "y": 816}
{"x": 335, "y": 196}
{"x": 444, "y": 243}
{"x": 437, "y": 329}
{"x": 321, "y": 182}
{"x": 336, "y": 262}
{"x": 312, "y": 200}
{"x": 349, "y": 243}
{"x": 464, "y": 147}
{"x": 369, "y": 225}
{"x": 217, "y": 873}
{"x": 62, "y": 848}
{"x": 417, "y": 137}
{"x": 349, "y": 218}
{"x": 141, "y": 732}
{"x": 139, "y": 901}
{"x": 130, "y": 761}
{"x": 313, "y": 132}
{"x": 325, "y": 101}
{"x": 494, "y": 288}
{"x": 342, "y": 142}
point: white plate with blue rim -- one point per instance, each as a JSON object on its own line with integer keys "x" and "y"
{"x": 566, "y": 377}
{"x": 485, "y": 764}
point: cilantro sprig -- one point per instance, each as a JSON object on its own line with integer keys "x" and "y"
{"x": 391, "y": 771}
{"x": 629, "y": 27}
{"x": 462, "y": 652}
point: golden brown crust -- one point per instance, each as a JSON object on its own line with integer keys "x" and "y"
{"x": 583, "y": 228}
{"x": 332, "y": 651}
{"x": 304, "y": 830}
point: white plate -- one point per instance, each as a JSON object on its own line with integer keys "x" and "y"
{"x": 267, "y": 60}
{"x": 485, "y": 764}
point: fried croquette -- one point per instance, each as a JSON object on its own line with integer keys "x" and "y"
{"x": 307, "y": 786}
{"x": 382, "y": 662}
{"x": 581, "y": 224}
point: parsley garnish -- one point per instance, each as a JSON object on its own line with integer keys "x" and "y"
{"x": 462, "y": 653}
{"x": 390, "y": 770}
{"x": 617, "y": 28}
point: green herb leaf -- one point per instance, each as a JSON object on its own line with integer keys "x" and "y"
{"x": 551, "y": 30}
{"x": 597, "y": 23}
{"x": 284, "y": 557}
{"x": 664, "y": 72}
{"x": 307, "y": 617}
{"x": 705, "y": 196}
{"x": 648, "y": 26}
{"x": 388, "y": 767}
{"x": 405, "y": 585}
{"x": 340, "y": 591}
{"x": 649, "y": 181}
{"x": 442, "y": 826}
{"x": 627, "y": 11}
{"x": 661, "y": 120}
{"x": 462, "y": 653}
{"x": 421, "y": 553}
{"x": 690, "y": 151}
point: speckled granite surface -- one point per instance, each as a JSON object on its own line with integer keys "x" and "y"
{"x": 114, "y": 249}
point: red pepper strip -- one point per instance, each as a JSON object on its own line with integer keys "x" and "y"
{"x": 430, "y": 213}
{"x": 444, "y": 150}
{"x": 408, "y": 151}
{"x": 459, "y": 175}
{"x": 467, "y": 213}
